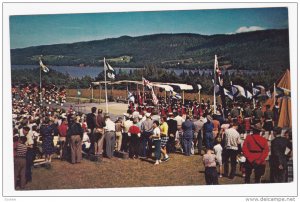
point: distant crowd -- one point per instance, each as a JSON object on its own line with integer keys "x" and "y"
{"x": 245, "y": 136}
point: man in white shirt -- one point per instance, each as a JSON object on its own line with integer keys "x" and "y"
{"x": 232, "y": 144}
{"x": 125, "y": 139}
{"x": 110, "y": 136}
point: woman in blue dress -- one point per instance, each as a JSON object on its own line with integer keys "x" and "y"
{"x": 47, "y": 130}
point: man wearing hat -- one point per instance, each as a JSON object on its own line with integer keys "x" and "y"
{"x": 256, "y": 150}
{"x": 278, "y": 159}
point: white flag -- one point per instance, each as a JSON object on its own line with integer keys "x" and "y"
{"x": 109, "y": 70}
{"x": 44, "y": 67}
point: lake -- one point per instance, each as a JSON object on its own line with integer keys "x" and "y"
{"x": 75, "y": 71}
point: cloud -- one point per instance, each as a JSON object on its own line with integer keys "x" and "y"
{"x": 249, "y": 29}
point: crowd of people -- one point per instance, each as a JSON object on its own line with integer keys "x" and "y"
{"x": 242, "y": 135}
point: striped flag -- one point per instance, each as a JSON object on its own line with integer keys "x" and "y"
{"x": 147, "y": 83}
{"x": 154, "y": 98}
{"x": 43, "y": 67}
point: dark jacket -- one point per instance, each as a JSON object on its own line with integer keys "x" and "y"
{"x": 278, "y": 147}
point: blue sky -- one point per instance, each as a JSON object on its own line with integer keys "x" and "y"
{"x": 33, "y": 30}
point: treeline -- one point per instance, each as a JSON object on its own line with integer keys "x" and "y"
{"x": 153, "y": 74}
{"x": 259, "y": 50}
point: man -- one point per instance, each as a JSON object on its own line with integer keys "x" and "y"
{"x": 20, "y": 162}
{"x": 198, "y": 124}
{"x": 188, "y": 134}
{"x": 91, "y": 124}
{"x": 75, "y": 134}
{"x": 234, "y": 112}
{"x": 99, "y": 133}
{"x": 62, "y": 130}
{"x": 268, "y": 123}
{"x": 171, "y": 132}
{"x": 125, "y": 139}
{"x": 278, "y": 159}
{"x": 257, "y": 115}
{"x": 30, "y": 155}
{"x": 208, "y": 128}
{"x": 110, "y": 136}
{"x": 256, "y": 150}
{"x": 134, "y": 132}
{"x": 232, "y": 143}
{"x": 147, "y": 130}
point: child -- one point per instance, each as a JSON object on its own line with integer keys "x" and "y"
{"x": 218, "y": 151}
{"x": 209, "y": 161}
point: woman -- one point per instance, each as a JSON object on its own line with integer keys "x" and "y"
{"x": 47, "y": 130}
{"x": 156, "y": 141}
{"x": 164, "y": 137}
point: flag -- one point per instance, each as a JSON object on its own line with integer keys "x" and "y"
{"x": 218, "y": 72}
{"x": 238, "y": 90}
{"x": 280, "y": 92}
{"x": 130, "y": 97}
{"x": 248, "y": 95}
{"x": 258, "y": 91}
{"x": 269, "y": 93}
{"x": 175, "y": 95}
{"x": 43, "y": 67}
{"x": 154, "y": 98}
{"x": 147, "y": 83}
{"x": 110, "y": 72}
{"x": 199, "y": 86}
{"x": 228, "y": 93}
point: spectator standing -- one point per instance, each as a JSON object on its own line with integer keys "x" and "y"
{"x": 209, "y": 161}
{"x": 232, "y": 144}
{"x": 147, "y": 130}
{"x": 156, "y": 141}
{"x": 75, "y": 134}
{"x": 188, "y": 133}
{"x": 20, "y": 163}
{"x": 110, "y": 136}
{"x": 256, "y": 150}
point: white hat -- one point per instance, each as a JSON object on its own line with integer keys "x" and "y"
{"x": 148, "y": 115}
{"x": 126, "y": 114}
{"x": 140, "y": 116}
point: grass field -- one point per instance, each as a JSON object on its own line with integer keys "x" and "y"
{"x": 178, "y": 171}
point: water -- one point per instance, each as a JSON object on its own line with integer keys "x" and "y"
{"x": 75, "y": 71}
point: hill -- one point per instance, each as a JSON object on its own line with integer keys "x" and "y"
{"x": 253, "y": 50}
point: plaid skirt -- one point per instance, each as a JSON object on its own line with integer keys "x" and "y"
{"x": 164, "y": 141}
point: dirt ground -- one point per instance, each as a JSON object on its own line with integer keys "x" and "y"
{"x": 180, "y": 170}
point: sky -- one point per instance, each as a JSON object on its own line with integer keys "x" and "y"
{"x": 34, "y": 30}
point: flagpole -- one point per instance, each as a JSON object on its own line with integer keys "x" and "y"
{"x": 106, "y": 104}
{"x": 92, "y": 94}
{"x": 41, "y": 91}
{"x": 183, "y": 97}
{"x": 215, "y": 81}
{"x": 253, "y": 96}
{"x": 100, "y": 93}
{"x": 274, "y": 94}
{"x": 199, "y": 96}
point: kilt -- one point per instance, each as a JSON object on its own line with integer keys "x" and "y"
{"x": 164, "y": 140}
{"x": 268, "y": 126}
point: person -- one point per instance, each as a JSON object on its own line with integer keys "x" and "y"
{"x": 278, "y": 160}
{"x": 256, "y": 150}
{"x": 62, "y": 131}
{"x": 209, "y": 161}
{"x": 110, "y": 136}
{"x": 208, "y": 128}
{"x": 75, "y": 134}
{"x": 234, "y": 113}
{"x": 268, "y": 122}
{"x": 91, "y": 124}
{"x": 156, "y": 141}
{"x": 47, "y": 130}
{"x": 218, "y": 151}
{"x": 126, "y": 124}
{"x": 118, "y": 134}
{"x": 99, "y": 133}
{"x": 232, "y": 144}
{"x": 164, "y": 128}
{"x": 198, "y": 124}
{"x": 276, "y": 113}
{"x": 134, "y": 133}
{"x": 30, "y": 155}
{"x": 146, "y": 130}
{"x": 188, "y": 134}
{"x": 257, "y": 115}
{"x": 20, "y": 162}
{"x": 172, "y": 128}
{"x": 216, "y": 124}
